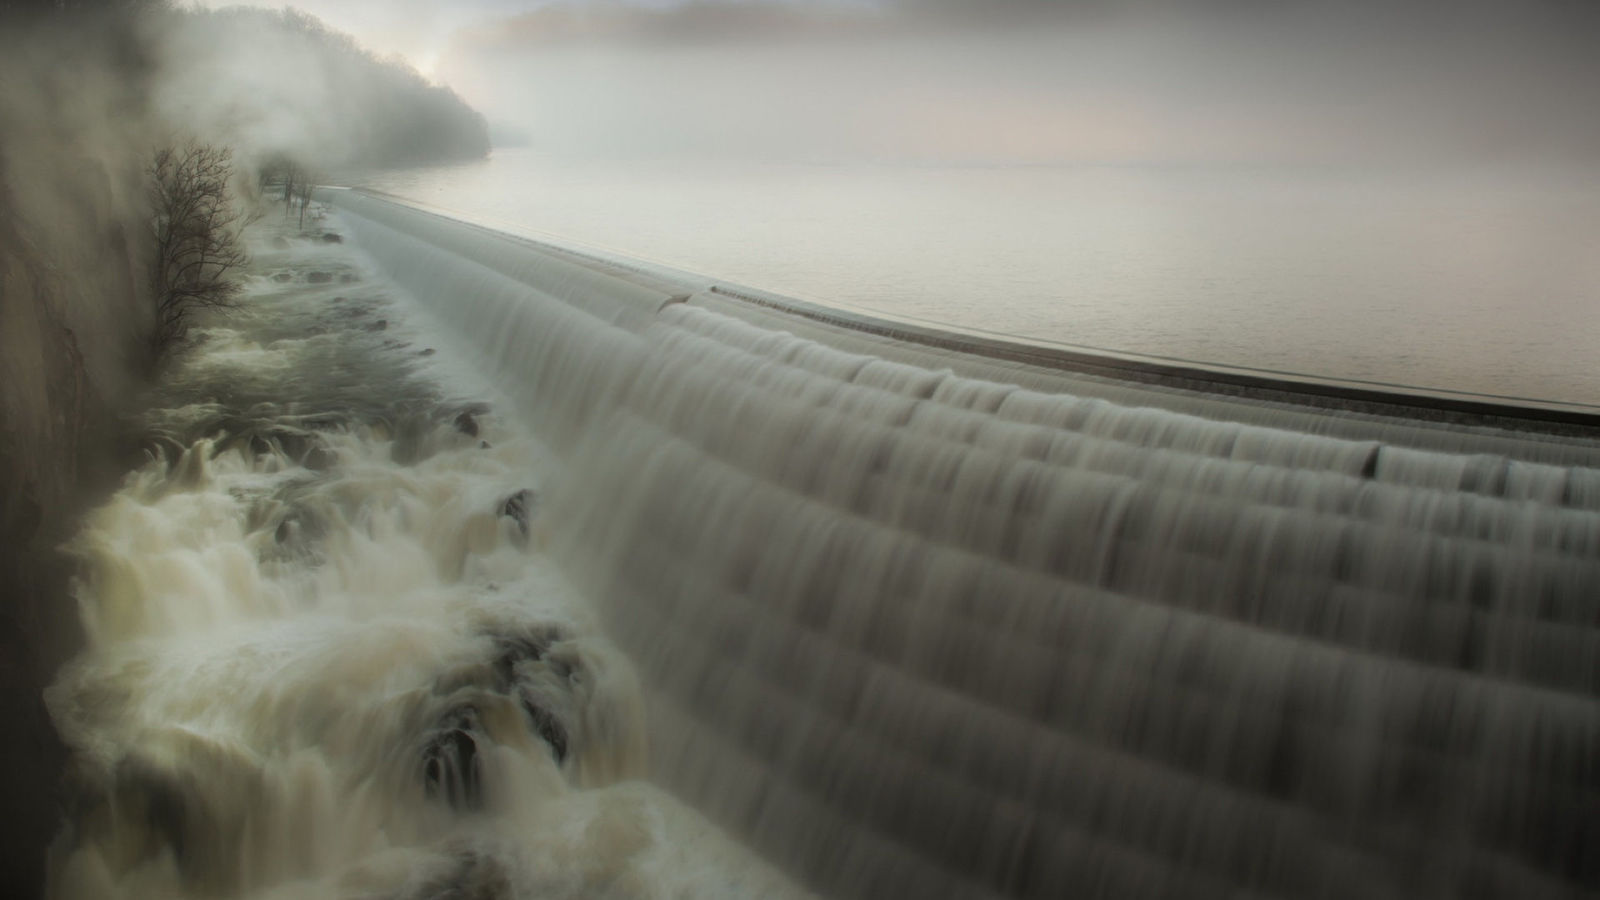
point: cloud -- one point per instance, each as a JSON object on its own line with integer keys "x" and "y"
{"x": 697, "y": 22}
{"x": 1037, "y": 81}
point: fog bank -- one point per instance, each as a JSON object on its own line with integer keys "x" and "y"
{"x": 1033, "y": 82}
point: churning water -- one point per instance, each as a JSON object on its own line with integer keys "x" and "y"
{"x": 905, "y": 624}
{"x": 327, "y": 659}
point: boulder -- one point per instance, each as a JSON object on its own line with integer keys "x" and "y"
{"x": 519, "y": 507}
{"x": 450, "y": 767}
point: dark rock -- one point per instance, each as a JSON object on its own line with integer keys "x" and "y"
{"x": 298, "y": 529}
{"x": 324, "y": 422}
{"x": 319, "y": 458}
{"x": 513, "y": 649}
{"x": 450, "y": 766}
{"x": 429, "y": 351}
{"x": 1369, "y": 467}
{"x": 534, "y": 647}
{"x": 282, "y": 277}
{"x": 319, "y": 277}
{"x": 520, "y": 507}
{"x": 164, "y": 447}
{"x": 159, "y": 801}
{"x": 483, "y": 445}
{"x": 331, "y": 238}
{"x": 548, "y": 727}
{"x": 293, "y": 443}
{"x": 379, "y": 325}
{"x": 466, "y": 424}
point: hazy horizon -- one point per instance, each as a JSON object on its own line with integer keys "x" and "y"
{"x": 1227, "y": 81}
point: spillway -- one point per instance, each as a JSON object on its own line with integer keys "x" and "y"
{"x": 915, "y": 621}
{"x": 916, "y": 614}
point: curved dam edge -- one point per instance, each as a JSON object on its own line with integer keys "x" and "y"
{"x": 912, "y": 621}
{"x": 630, "y": 293}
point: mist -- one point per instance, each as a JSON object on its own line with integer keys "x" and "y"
{"x": 1042, "y": 83}
{"x": 88, "y": 94}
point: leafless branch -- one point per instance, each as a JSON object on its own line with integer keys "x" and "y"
{"x": 198, "y": 251}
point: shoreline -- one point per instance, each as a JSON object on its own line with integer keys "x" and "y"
{"x": 1378, "y": 399}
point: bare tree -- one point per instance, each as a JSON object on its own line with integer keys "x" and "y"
{"x": 291, "y": 183}
{"x": 197, "y": 236}
{"x": 303, "y": 191}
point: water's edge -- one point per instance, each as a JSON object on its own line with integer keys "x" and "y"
{"x": 1260, "y": 385}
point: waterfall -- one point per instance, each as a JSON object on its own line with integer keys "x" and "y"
{"x": 912, "y": 632}
{"x": 325, "y": 658}
{"x": 903, "y": 619}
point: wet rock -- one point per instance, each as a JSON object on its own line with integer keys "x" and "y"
{"x": 298, "y": 530}
{"x": 532, "y": 684}
{"x": 519, "y": 507}
{"x": 294, "y": 444}
{"x": 153, "y": 797}
{"x": 319, "y": 458}
{"x": 513, "y": 649}
{"x": 319, "y": 277}
{"x": 168, "y": 787}
{"x": 466, "y": 424}
{"x": 324, "y": 422}
{"x": 379, "y": 325}
{"x": 476, "y": 877}
{"x": 451, "y": 770}
{"x": 331, "y": 238}
{"x": 282, "y": 277}
{"x": 164, "y": 447}
{"x": 429, "y": 351}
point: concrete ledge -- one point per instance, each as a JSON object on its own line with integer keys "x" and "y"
{"x": 1259, "y": 385}
{"x": 1264, "y": 384}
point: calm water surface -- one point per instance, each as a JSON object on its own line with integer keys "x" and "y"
{"x": 1481, "y": 281}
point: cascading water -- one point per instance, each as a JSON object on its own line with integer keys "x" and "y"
{"x": 325, "y": 661}
{"x": 905, "y": 632}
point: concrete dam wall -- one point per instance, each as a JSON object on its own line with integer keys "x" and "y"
{"x": 942, "y": 615}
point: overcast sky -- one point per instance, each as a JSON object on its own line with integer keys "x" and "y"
{"x": 1015, "y": 80}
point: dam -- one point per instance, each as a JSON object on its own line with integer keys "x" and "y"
{"x": 918, "y": 613}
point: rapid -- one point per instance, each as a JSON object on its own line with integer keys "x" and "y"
{"x": 327, "y": 657}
